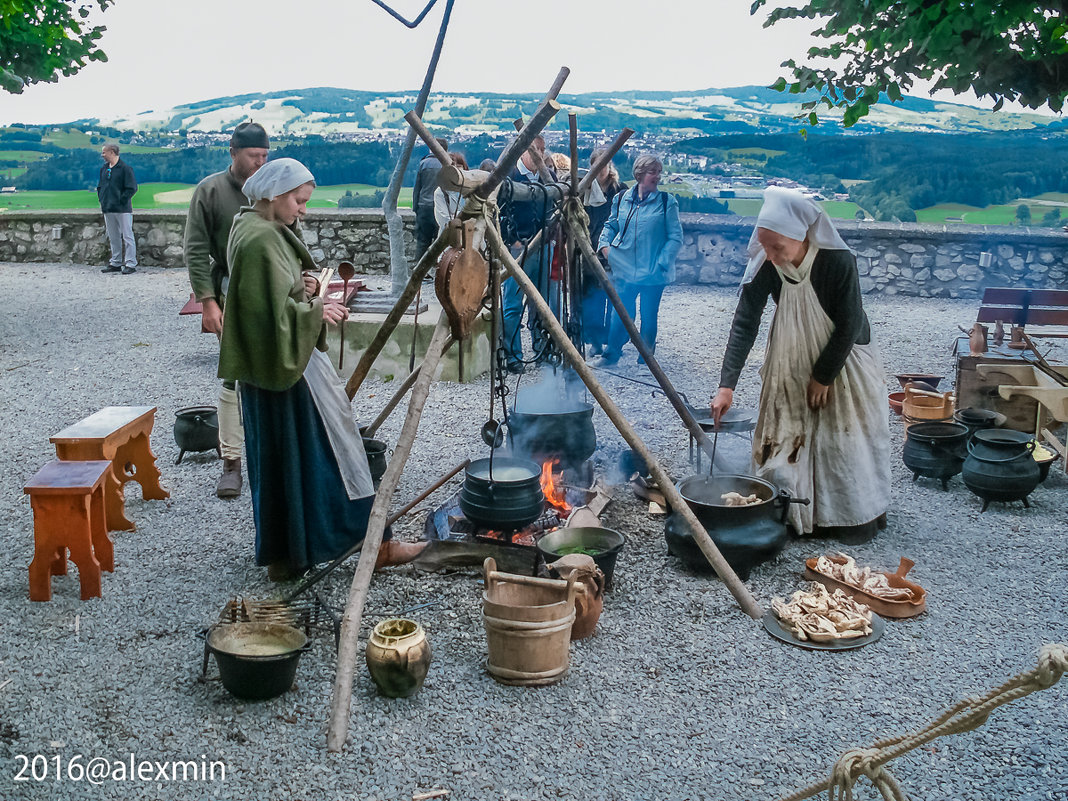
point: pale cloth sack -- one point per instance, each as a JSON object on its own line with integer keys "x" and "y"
{"x": 837, "y": 457}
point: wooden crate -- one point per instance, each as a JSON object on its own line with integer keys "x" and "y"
{"x": 982, "y": 393}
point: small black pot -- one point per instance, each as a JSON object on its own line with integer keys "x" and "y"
{"x": 605, "y": 543}
{"x": 376, "y": 458}
{"x": 506, "y": 496}
{"x": 256, "y": 660}
{"x": 196, "y": 428}
{"x": 935, "y": 450}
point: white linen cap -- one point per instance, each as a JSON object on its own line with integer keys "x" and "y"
{"x": 276, "y": 178}
{"x": 792, "y": 214}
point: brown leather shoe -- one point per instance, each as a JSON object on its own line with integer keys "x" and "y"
{"x": 229, "y": 485}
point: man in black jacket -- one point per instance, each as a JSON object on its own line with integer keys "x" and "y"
{"x": 426, "y": 181}
{"x": 115, "y": 189}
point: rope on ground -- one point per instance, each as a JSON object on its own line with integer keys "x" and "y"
{"x": 969, "y": 714}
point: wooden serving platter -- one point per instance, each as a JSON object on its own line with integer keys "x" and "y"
{"x": 881, "y": 606}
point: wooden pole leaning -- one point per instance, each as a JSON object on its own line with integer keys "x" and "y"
{"x": 361, "y": 581}
{"x": 740, "y": 592}
{"x": 385, "y": 331}
{"x": 535, "y": 156}
{"x": 608, "y": 155}
{"x": 546, "y": 111}
{"x": 572, "y": 129}
{"x": 372, "y": 428}
{"x": 580, "y": 235}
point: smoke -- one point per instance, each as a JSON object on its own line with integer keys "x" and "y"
{"x": 558, "y": 391}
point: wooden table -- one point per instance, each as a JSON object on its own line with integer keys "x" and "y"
{"x": 119, "y": 434}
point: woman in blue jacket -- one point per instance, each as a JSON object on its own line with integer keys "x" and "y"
{"x": 641, "y": 239}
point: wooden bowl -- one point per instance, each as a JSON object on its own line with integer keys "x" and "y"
{"x": 896, "y": 399}
{"x": 881, "y": 606}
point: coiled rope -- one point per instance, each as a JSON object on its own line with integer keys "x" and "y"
{"x": 969, "y": 714}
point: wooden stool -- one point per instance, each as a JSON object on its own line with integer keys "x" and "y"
{"x": 68, "y": 513}
{"x": 120, "y": 435}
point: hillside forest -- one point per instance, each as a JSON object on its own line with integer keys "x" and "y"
{"x": 889, "y": 175}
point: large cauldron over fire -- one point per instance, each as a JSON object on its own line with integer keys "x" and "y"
{"x": 543, "y": 427}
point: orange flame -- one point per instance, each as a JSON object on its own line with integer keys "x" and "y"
{"x": 555, "y": 494}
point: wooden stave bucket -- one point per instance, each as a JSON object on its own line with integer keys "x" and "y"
{"x": 528, "y": 644}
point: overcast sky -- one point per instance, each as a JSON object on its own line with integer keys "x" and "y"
{"x": 164, "y": 53}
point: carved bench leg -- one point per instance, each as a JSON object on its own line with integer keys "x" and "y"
{"x": 102, "y": 547}
{"x": 138, "y": 453}
{"x": 60, "y": 523}
{"x": 115, "y": 502}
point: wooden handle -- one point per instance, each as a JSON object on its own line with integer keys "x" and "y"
{"x": 905, "y": 566}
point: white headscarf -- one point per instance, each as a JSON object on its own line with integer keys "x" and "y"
{"x": 276, "y": 178}
{"x": 788, "y": 212}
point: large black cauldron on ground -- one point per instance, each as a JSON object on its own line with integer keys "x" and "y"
{"x": 565, "y": 433}
{"x": 935, "y": 450}
{"x": 746, "y": 535}
{"x": 1001, "y": 466}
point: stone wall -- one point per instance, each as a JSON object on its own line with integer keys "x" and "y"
{"x": 356, "y": 235}
{"x": 893, "y": 258}
{"x": 955, "y": 261}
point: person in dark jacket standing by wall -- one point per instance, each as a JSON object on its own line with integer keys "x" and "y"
{"x": 115, "y": 190}
{"x": 217, "y": 199}
{"x": 426, "y": 181}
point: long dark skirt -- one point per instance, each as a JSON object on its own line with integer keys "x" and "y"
{"x": 303, "y": 515}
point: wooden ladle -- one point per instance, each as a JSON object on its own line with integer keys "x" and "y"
{"x": 346, "y": 271}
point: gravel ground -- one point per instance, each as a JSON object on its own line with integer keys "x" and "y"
{"x": 678, "y": 696}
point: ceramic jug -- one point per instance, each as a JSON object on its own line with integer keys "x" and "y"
{"x": 398, "y": 656}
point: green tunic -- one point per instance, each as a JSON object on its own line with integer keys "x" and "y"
{"x": 207, "y": 229}
{"x": 271, "y": 327}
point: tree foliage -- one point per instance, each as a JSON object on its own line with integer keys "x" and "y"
{"x": 1013, "y": 50}
{"x": 41, "y": 40}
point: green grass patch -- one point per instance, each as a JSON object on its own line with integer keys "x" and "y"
{"x": 750, "y": 207}
{"x": 25, "y": 156}
{"x": 744, "y": 206}
{"x": 167, "y": 196}
{"x": 841, "y": 209}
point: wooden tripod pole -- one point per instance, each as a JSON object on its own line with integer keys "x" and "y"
{"x": 580, "y": 235}
{"x": 361, "y": 582}
{"x": 402, "y": 390}
{"x": 385, "y": 331}
{"x": 740, "y": 592}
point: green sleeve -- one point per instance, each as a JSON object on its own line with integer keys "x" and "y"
{"x": 270, "y": 330}
{"x": 197, "y": 246}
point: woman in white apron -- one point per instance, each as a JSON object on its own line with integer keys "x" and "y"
{"x": 311, "y": 485}
{"x": 822, "y": 429}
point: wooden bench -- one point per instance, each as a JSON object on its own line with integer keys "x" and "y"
{"x": 1026, "y": 307}
{"x": 68, "y": 514}
{"x": 120, "y": 435}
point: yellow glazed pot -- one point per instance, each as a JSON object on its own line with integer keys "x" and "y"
{"x": 398, "y": 656}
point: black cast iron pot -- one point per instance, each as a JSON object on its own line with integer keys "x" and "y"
{"x": 566, "y": 434}
{"x": 376, "y": 458}
{"x": 502, "y": 493}
{"x": 256, "y": 660}
{"x": 1000, "y": 466}
{"x": 196, "y": 428}
{"x": 935, "y": 450}
{"x": 746, "y": 535}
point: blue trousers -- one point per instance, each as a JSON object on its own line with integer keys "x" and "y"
{"x": 634, "y": 296}
{"x": 536, "y": 267}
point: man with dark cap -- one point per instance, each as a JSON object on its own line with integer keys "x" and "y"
{"x": 115, "y": 189}
{"x": 426, "y": 181}
{"x": 207, "y": 229}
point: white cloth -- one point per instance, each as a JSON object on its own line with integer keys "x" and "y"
{"x": 446, "y": 205}
{"x": 788, "y": 212}
{"x": 594, "y": 195}
{"x": 335, "y": 409}
{"x": 837, "y": 457}
{"x": 276, "y": 178}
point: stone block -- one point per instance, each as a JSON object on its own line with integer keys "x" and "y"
{"x": 945, "y": 275}
{"x": 154, "y": 237}
{"x": 923, "y": 275}
{"x": 909, "y": 247}
{"x": 866, "y": 284}
{"x": 1005, "y": 251}
{"x": 969, "y": 272}
{"x": 310, "y": 236}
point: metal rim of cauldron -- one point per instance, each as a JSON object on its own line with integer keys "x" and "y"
{"x": 719, "y": 514}
{"x": 256, "y": 677}
{"x": 938, "y": 433}
{"x": 480, "y": 471}
{"x": 605, "y": 559}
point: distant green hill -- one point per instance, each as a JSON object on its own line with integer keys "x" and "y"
{"x": 743, "y": 109}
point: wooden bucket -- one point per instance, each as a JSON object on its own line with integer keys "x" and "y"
{"x": 922, "y": 406}
{"x": 528, "y": 626}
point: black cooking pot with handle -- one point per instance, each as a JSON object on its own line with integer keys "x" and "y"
{"x": 502, "y": 493}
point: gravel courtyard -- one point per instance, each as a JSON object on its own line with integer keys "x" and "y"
{"x": 679, "y": 695}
